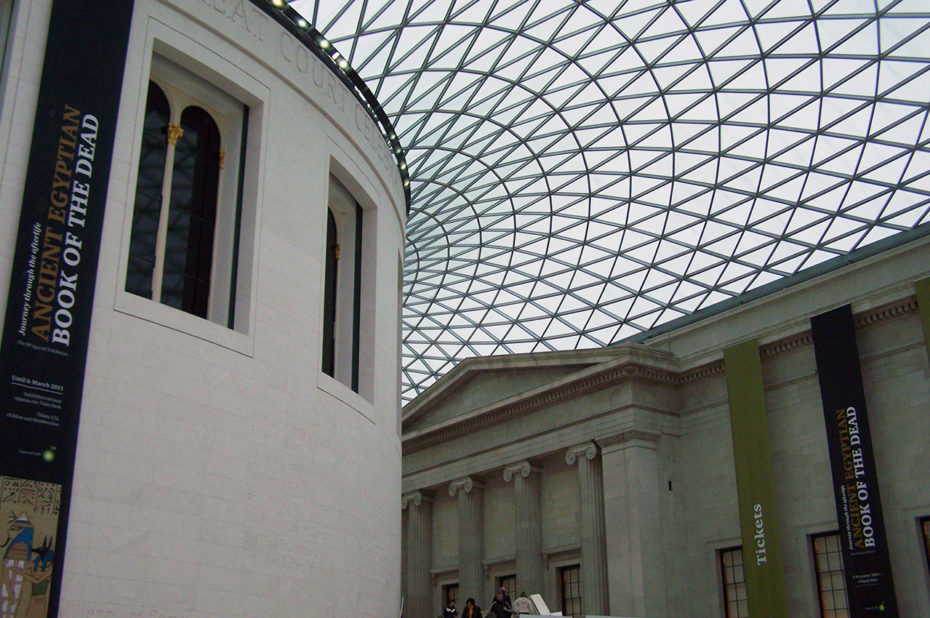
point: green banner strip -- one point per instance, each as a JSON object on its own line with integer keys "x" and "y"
{"x": 755, "y": 484}
{"x": 923, "y": 305}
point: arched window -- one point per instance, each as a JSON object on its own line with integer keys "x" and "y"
{"x": 185, "y": 223}
{"x": 191, "y": 216}
{"x": 345, "y": 288}
{"x": 174, "y": 219}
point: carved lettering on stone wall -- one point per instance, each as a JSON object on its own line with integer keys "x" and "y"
{"x": 250, "y": 18}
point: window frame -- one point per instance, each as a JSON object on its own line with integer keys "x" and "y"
{"x": 563, "y": 599}
{"x": 450, "y": 591}
{"x": 356, "y": 218}
{"x": 225, "y": 76}
{"x": 345, "y": 252}
{"x": 186, "y": 92}
{"x": 831, "y": 554}
{"x": 726, "y": 583}
{"x": 509, "y": 582}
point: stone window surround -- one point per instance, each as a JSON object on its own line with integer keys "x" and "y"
{"x": 182, "y": 51}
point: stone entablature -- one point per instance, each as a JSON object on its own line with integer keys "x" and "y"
{"x": 604, "y": 372}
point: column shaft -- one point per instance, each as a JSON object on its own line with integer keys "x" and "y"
{"x": 419, "y": 554}
{"x": 471, "y": 541}
{"x": 527, "y": 527}
{"x": 593, "y": 553}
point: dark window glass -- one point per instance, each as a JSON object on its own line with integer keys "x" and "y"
{"x": 329, "y": 296}
{"x": 192, "y": 214}
{"x": 570, "y": 580}
{"x": 148, "y": 194}
{"x": 831, "y": 580}
{"x": 734, "y": 583}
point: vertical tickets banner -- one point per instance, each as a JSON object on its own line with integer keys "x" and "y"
{"x": 755, "y": 484}
{"x": 48, "y": 312}
{"x": 855, "y": 483}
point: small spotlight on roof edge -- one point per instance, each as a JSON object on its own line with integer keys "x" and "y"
{"x": 278, "y": 3}
{"x": 302, "y": 22}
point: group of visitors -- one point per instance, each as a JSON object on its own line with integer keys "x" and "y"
{"x": 500, "y": 607}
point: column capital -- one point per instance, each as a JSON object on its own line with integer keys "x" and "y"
{"x": 466, "y": 484}
{"x": 414, "y": 497}
{"x": 587, "y": 449}
{"x": 523, "y": 468}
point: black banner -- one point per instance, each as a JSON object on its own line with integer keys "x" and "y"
{"x": 869, "y": 584}
{"x": 48, "y": 312}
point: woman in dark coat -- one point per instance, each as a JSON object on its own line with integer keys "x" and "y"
{"x": 500, "y": 606}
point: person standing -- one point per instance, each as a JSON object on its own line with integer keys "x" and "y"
{"x": 450, "y": 611}
{"x": 500, "y": 606}
{"x": 522, "y": 604}
{"x": 471, "y": 610}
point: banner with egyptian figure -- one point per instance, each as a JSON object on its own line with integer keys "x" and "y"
{"x": 866, "y": 562}
{"x": 48, "y": 312}
{"x": 755, "y": 483}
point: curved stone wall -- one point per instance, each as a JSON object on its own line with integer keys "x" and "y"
{"x": 219, "y": 470}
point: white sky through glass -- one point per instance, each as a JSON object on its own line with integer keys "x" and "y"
{"x": 582, "y": 172}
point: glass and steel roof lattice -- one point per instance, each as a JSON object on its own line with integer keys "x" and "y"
{"x": 582, "y": 172}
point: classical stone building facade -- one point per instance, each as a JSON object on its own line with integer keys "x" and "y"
{"x": 605, "y": 480}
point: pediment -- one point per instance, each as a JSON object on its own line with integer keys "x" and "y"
{"x": 479, "y": 383}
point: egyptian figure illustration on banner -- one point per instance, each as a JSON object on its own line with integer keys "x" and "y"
{"x": 30, "y": 509}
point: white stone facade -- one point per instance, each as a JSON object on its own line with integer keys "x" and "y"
{"x": 219, "y": 472}
{"x": 654, "y": 420}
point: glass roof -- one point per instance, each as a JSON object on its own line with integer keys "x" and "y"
{"x": 582, "y": 172}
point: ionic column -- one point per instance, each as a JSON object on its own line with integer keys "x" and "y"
{"x": 593, "y": 554}
{"x": 471, "y": 573}
{"x": 528, "y": 526}
{"x": 419, "y": 554}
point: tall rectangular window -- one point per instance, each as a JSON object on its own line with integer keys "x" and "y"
{"x": 831, "y": 580}
{"x": 183, "y": 248}
{"x": 734, "y": 583}
{"x": 344, "y": 288}
{"x": 570, "y": 588}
